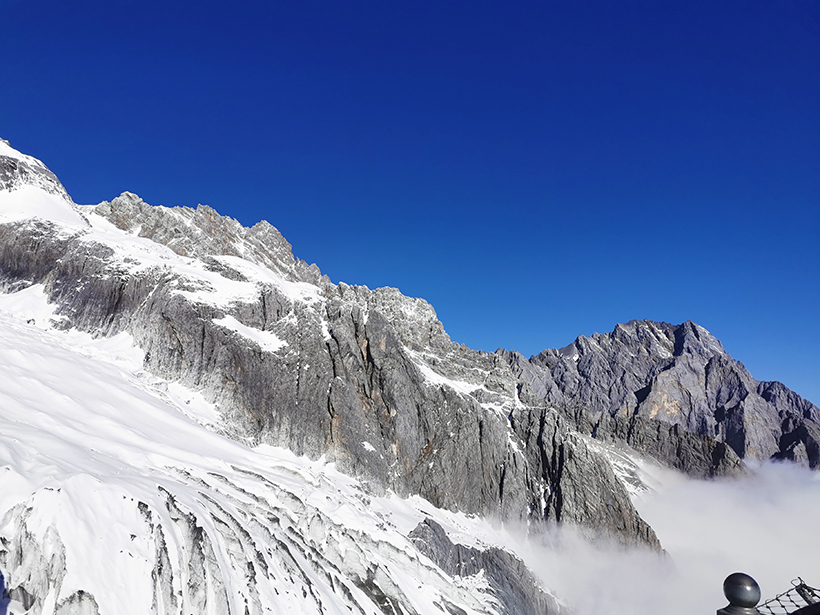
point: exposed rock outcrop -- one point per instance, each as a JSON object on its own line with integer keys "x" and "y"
{"x": 512, "y": 584}
{"x": 672, "y": 392}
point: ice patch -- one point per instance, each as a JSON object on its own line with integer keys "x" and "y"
{"x": 433, "y": 378}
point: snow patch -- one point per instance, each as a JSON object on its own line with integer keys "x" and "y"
{"x": 28, "y": 202}
{"x": 435, "y": 379}
{"x": 267, "y": 340}
{"x": 326, "y": 331}
{"x": 302, "y": 292}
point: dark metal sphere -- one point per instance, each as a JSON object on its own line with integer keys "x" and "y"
{"x": 741, "y": 590}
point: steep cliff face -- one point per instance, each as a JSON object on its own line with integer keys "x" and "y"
{"x": 117, "y": 499}
{"x": 674, "y": 393}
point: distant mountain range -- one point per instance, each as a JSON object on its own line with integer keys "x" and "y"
{"x": 242, "y": 350}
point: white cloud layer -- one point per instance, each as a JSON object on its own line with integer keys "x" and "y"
{"x": 766, "y": 524}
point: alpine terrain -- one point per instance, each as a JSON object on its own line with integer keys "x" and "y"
{"x": 192, "y": 421}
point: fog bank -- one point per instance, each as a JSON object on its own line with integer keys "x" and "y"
{"x": 766, "y": 524}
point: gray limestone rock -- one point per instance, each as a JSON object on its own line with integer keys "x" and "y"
{"x": 511, "y": 582}
{"x": 576, "y": 485}
{"x": 674, "y": 393}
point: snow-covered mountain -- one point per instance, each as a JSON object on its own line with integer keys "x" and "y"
{"x": 122, "y": 491}
{"x": 194, "y": 421}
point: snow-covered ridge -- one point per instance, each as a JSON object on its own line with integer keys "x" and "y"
{"x": 142, "y": 237}
{"x": 223, "y": 281}
{"x": 8, "y": 151}
{"x": 202, "y": 232}
{"x": 28, "y": 189}
{"x": 18, "y": 170}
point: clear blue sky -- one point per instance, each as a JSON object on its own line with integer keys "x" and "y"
{"x": 535, "y": 170}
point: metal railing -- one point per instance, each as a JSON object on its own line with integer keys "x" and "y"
{"x": 743, "y": 594}
{"x": 792, "y": 600}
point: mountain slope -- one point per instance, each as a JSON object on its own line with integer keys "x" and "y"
{"x": 367, "y": 378}
{"x": 257, "y": 437}
{"x": 116, "y": 497}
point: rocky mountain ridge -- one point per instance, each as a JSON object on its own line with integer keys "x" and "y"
{"x": 645, "y": 379}
{"x": 369, "y": 379}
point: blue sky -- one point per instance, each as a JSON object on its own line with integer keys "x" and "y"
{"x": 535, "y": 170}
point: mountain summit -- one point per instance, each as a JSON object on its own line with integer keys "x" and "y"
{"x": 672, "y": 392}
{"x": 198, "y": 380}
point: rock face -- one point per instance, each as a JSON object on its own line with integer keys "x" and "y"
{"x": 512, "y": 584}
{"x": 673, "y": 392}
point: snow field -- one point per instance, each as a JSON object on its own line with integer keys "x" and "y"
{"x": 85, "y": 437}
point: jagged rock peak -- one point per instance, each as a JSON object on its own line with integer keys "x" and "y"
{"x": 202, "y": 232}
{"x": 647, "y": 337}
{"x": 672, "y": 391}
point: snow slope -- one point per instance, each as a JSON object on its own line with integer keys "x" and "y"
{"x": 117, "y": 470}
{"x": 119, "y": 493}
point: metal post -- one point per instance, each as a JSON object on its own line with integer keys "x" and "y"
{"x": 743, "y": 594}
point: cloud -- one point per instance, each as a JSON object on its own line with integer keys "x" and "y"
{"x": 765, "y": 524}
